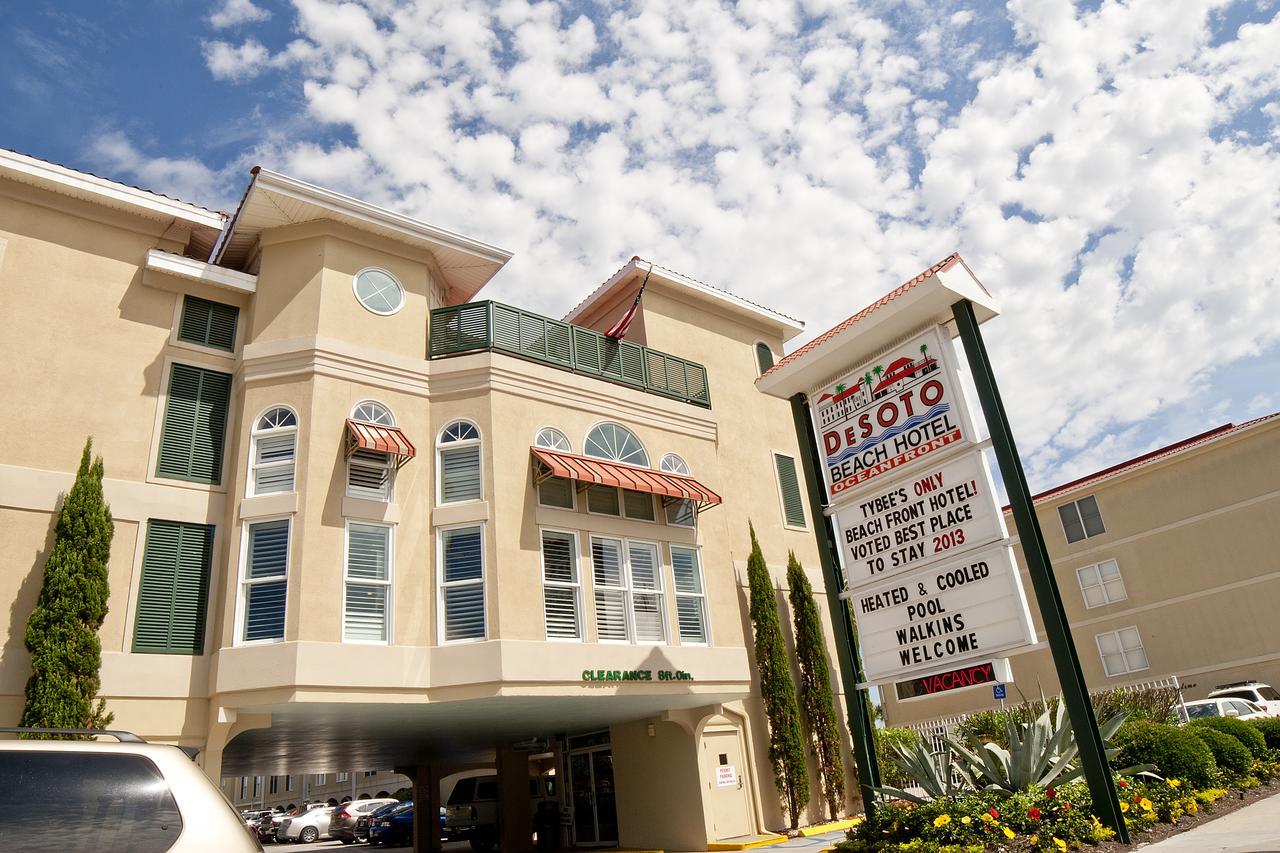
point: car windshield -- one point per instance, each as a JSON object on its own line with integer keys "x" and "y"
{"x": 400, "y": 809}
{"x": 462, "y": 791}
{"x": 1269, "y": 694}
{"x": 1198, "y": 711}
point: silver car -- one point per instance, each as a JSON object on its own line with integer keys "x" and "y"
{"x": 307, "y": 827}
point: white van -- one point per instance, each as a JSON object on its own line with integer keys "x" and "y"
{"x": 471, "y": 813}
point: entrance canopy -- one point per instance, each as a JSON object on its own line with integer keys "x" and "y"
{"x": 587, "y": 469}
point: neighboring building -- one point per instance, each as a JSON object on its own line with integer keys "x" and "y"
{"x": 287, "y": 791}
{"x": 1167, "y": 565}
{"x": 363, "y": 520}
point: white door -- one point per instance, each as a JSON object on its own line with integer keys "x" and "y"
{"x": 724, "y": 774}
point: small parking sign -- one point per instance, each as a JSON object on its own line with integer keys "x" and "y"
{"x": 999, "y": 691}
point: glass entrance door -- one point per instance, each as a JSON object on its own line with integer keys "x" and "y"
{"x": 595, "y": 809}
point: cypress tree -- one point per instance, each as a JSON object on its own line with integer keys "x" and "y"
{"x": 786, "y": 745}
{"x": 62, "y": 633}
{"x": 816, "y": 699}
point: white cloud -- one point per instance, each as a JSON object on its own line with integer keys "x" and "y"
{"x": 189, "y": 180}
{"x": 811, "y": 157}
{"x": 235, "y": 12}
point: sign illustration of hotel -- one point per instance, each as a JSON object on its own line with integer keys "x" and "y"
{"x": 877, "y": 382}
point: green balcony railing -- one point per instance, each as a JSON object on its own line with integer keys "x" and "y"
{"x": 493, "y": 326}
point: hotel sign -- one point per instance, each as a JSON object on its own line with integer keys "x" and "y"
{"x": 890, "y": 412}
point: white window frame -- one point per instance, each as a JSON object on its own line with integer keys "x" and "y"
{"x": 546, "y": 438}
{"x": 458, "y": 444}
{"x": 243, "y": 582}
{"x": 355, "y": 291}
{"x": 342, "y": 777}
{"x": 1075, "y": 507}
{"x": 288, "y": 784}
{"x": 441, "y": 585}
{"x": 673, "y": 463}
{"x": 320, "y": 778}
{"x": 643, "y": 450}
{"x": 701, "y": 597}
{"x": 576, "y": 586}
{"x": 376, "y": 413}
{"x": 257, "y": 434}
{"x": 1124, "y": 653}
{"x": 1090, "y": 577}
{"x": 629, "y": 590}
{"x": 347, "y": 580}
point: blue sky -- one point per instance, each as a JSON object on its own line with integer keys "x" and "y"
{"x": 1109, "y": 170}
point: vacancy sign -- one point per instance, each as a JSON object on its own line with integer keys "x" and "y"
{"x": 943, "y": 615}
{"x": 900, "y": 408}
{"x": 937, "y": 511}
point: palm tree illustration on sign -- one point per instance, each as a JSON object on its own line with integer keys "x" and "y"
{"x": 924, "y": 352}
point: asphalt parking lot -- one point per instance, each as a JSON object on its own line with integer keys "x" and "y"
{"x": 338, "y": 845}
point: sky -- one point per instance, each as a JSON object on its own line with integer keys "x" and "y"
{"x": 1109, "y": 170}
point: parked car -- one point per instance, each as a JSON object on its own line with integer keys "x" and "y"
{"x": 269, "y": 824}
{"x": 307, "y": 827}
{"x": 472, "y": 811}
{"x": 1238, "y": 708}
{"x": 365, "y": 821}
{"x": 392, "y": 828}
{"x": 343, "y": 821}
{"x": 68, "y": 796}
{"x": 1264, "y": 696}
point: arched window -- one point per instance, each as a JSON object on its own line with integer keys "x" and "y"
{"x": 370, "y": 473}
{"x": 617, "y": 443}
{"x": 764, "y": 358}
{"x": 555, "y": 491}
{"x": 673, "y": 464}
{"x": 553, "y": 439}
{"x": 273, "y": 452}
{"x": 373, "y": 412}
{"x": 459, "y": 463}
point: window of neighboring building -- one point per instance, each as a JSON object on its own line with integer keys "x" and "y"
{"x": 691, "y": 596}
{"x": 1101, "y": 584}
{"x": 616, "y": 443}
{"x": 461, "y": 601}
{"x": 209, "y": 324}
{"x": 367, "y": 610}
{"x": 320, "y": 777}
{"x": 273, "y": 787}
{"x": 195, "y": 425}
{"x": 789, "y": 488}
{"x": 1122, "y": 651}
{"x": 264, "y": 582}
{"x": 343, "y": 777}
{"x": 628, "y": 591}
{"x": 555, "y": 492}
{"x": 371, "y": 473}
{"x": 561, "y": 585}
{"x": 274, "y": 448}
{"x": 764, "y": 358}
{"x": 257, "y": 786}
{"x": 459, "y": 452}
{"x": 1081, "y": 519}
{"x": 378, "y": 291}
{"x": 174, "y": 590}
{"x": 288, "y": 784}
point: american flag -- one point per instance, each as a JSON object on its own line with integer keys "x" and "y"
{"x": 618, "y": 329}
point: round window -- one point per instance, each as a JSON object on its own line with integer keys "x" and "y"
{"x": 379, "y": 291}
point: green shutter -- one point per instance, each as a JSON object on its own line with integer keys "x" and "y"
{"x": 174, "y": 590}
{"x": 209, "y": 324}
{"x": 764, "y": 357}
{"x": 792, "y": 505}
{"x": 195, "y": 425}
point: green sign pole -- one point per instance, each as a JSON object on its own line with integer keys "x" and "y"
{"x": 860, "y": 725}
{"x": 1075, "y": 692}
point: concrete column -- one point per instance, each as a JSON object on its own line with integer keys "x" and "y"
{"x": 426, "y": 807}
{"x": 224, "y": 725}
{"x": 515, "y": 812}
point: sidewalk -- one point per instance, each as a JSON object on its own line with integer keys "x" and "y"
{"x": 1253, "y": 829}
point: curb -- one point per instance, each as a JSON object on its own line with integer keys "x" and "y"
{"x": 747, "y": 845}
{"x": 833, "y": 826}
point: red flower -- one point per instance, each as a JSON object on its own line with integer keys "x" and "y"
{"x": 1050, "y": 793}
{"x": 1066, "y": 807}
{"x": 1033, "y": 813}
{"x": 1122, "y": 783}
{"x": 992, "y": 811}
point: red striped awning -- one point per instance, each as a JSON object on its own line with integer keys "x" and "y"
{"x": 587, "y": 469}
{"x": 381, "y": 439}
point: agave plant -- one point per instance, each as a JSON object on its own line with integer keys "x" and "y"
{"x": 935, "y": 777}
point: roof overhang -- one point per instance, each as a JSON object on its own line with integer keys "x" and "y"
{"x": 919, "y": 302}
{"x": 601, "y": 472}
{"x": 205, "y": 224}
{"x": 784, "y": 326}
{"x": 380, "y": 439}
{"x": 194, "y": 270}
{"x": 273, "y": 200}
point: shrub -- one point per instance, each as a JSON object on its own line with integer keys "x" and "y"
{"x": 1229, "y": 753}
{"x": 1240, "y": 730}
{"x": 1142, "y": 703}
{"x": 1176, "y": 752}
{"x": 891, "y": 770}
{"x": 1270, "y": 728}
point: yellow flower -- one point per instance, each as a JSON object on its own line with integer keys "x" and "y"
{"x": 1173, "y": 783}
{"x": 987, "y": 817}
{"x": 1149, "y": 816}
{"x": 1008, "y": 833}
{"x": 942, "y": 820}
{"x": 1035, "y": 839}
{"x": 1124, "y": 806}
{"x": 966, "y": 820}
{"x": 1062, "y": 845}
{"x": 1191, "y": 807}
{"x": 1145, "y": 803}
